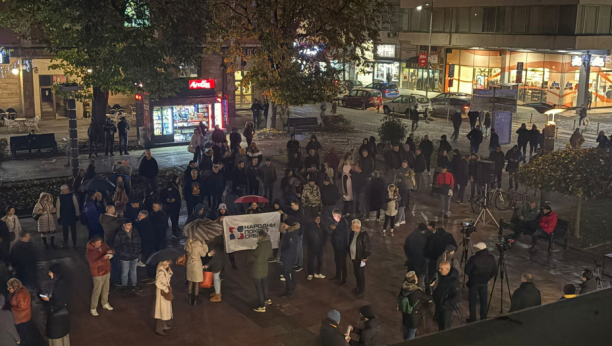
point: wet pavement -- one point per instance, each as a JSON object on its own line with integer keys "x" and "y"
{"x": 295, "y": 321}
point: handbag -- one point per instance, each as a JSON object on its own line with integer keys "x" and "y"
{"x": 208, "y": 280}
{"x": 36, "y": 216}
{"x": 167, "y": 295}
{"x": 191, "y": 149}
{"x": 181, "y": 261}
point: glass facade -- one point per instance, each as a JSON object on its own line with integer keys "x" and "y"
{"x": 244, "y": 94}
{"x": 180, "y": 121}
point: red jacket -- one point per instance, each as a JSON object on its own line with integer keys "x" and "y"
{"x": 99, "y": 264}
{"x": 21, "y": 306}
{"x": 445, "y": 179}
{"x": 548, "y": 222}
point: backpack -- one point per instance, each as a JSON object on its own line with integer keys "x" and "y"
{"x": 404, "y": 304}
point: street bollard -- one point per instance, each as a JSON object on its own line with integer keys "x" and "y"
{"x": 574, "y": 125}
{"x": 531, "y": 118}
{"x": 597, "y": 128}
{"x": 557, "y": 132}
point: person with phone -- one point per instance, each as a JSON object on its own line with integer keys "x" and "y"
{"x": 371, "y": 331}
{"x": 359, "y": 251}
{"x": 58, "y": 320}
{"x": 446, "y": 286}
{"x": 330, "y": 333}
{"x": 98, "y": 256}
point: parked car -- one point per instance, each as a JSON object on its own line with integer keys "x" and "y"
{"x": 449, "y": 102}
{"x": 351, "y": 84}
{"x": 343, "y": 92}
{"x": 403, "y": 103}
{"x": 362, "y": 98}
{"x": 388, "y": 90}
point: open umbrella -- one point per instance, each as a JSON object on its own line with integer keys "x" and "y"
{"x": 169, "y": 253}
{"x": 203, "y": 229}
{"x": 252, "y": 199}
{"x": 101, "y": 185}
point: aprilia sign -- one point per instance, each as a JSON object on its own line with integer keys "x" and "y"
{"x": 202, "y": 84}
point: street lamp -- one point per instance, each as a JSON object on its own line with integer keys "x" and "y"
{"x": 420, "y": 7}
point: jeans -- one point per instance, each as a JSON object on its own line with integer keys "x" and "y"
{"x": 516, "y": 184}
{"x": 420, "y": 182}
{"x": 128, "y": 267}
{"x": 401, "y": 215}
{"x": 217, "y": 282}
{"x": 123, "y": 144}
{"x": 485, "y": 131}
{"x": 455, "y": 134}
{"x": 359, "y": 198}
{"x": 253, "y": 187}
{"x": 150, "y": 184}
{"x": 268, "y": 191}
{"x": 73, "y": 232}
{"x": 478, "y": 293}
{"x": 93, "y": 147}
{"x": 115, "y": 270}
{"x": 340, "y": 259}
{"x": 197, "y": 155}
{"x": 390, "y": 220}
{"x": 289, "y": 276}
{"x": 409, "y": 333}
{"x": 461, "y": 188}
{"x": 315, "y": 259}
{"x": 415, "y": 125}
{"x": 261, "y": 285}
{"x": 533, "y": 148}
{"x": 428, "y": 162}
{"x": 474, "y": 148}
{"x": 523, "y": 148}
{"x": 445, "y": 204}
{"x": 359, "y": 275}
{"x": 300, "y": 251}
{"x": 100, "y": 290}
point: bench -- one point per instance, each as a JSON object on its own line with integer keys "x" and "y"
{"x": 303, "y": 124}
{"x": 29, "y": 142}
{"x": 561, "y": 232}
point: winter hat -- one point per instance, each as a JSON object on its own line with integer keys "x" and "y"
{"x": 198, "y": 207}
{"x": 410, "y": 276}
{"x": 334, "y": 315}
{"x": 547, "y": 207}
{"x": 126, "y": 221}
{"x": 480, "y": 246}
{"x": 222, "y": 206}
{"x": 450, "y": 248}
{"x": 366, "y": 311}
{"x": 569, "y": 289}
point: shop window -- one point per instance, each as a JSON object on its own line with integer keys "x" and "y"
{"x": 502, "y": 20}
{"x": 243, "y": 92}
{"x": 463, "y": 19}
{"x": 476, "y": 19}
{"x": 188, "y": 71}
{"x": 589, "y": 19}
{"x": 519, "y": 19}
{"x": 603, "y": 24}
{"x": 488, "y": 19}
{"x": 535, "y": 19}
{"x": 550, "y": 19}
{"x": 567, "y": 19}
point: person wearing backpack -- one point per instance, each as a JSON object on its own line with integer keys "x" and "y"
{"x": 409, "y": 304}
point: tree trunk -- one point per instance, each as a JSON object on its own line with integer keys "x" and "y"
{"x": 578, "y": 212}
{"x": 99, "y": 104}
{"x": 273, "y": 119}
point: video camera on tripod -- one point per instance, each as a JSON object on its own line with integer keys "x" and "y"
{"x": 468, "y": 227}
{"x": 505, "y": 243}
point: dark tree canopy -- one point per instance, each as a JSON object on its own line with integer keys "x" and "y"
{"x": 302, "y": 44}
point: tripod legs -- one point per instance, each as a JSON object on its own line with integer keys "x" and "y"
{"x": 503, "y": 273}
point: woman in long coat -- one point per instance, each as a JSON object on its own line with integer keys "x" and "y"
{"x": 163, "y": 307}
{"x": 195, "y": 251}
{"x": 58, "y": 321}
{"x": 46, "y": 222}
{"x": 347, "y": 187}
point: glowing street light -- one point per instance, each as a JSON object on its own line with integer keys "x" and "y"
{"x": 15, "y": 71}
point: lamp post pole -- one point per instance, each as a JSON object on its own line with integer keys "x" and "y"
{"x": 429, "y": 50}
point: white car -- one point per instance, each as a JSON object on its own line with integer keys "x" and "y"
{"x": 403, "y": 103}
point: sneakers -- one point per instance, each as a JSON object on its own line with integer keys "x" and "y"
{"x": 107, "y": 307}
{"x": 309, "y": 277}
{"x": 140, "y": 264}
{"x": 260, "y": 309}
{"x": 282, "y": 278}
{"x": 392, "y": 233}
{"x": 397, "y": 224}
{"x": 93, "y": 312}
{"x": 269, "y": 302}
{"x": 319, "y": 276}
{"x": 384, "y": 233}
{"x": 272, "y": 260}
{"x": 403, "y": 223}
{"x": 298, "y": 269}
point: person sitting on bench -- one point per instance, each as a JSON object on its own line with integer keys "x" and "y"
{"x": 527, "y": 219}
{"x": 546, "y": 226}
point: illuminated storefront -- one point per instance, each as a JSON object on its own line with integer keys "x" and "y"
{"x": 244, "y": 93}
{"x": 175, "y": 119}
{"x": 416, "y": 78}
{"x": 383, "y": 66}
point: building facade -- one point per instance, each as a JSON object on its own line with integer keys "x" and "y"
{"x": 556, "y": 52}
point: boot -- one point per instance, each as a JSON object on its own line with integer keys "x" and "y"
{"x": 159, "y": 328}
{"x": 216, "y": 298}
{"x": 189, "y": 298}
{"x": 196, "y": 300}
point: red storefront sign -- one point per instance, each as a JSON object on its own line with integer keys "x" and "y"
{"x": 422, "y": 59}
{"x": 201, "y": 84}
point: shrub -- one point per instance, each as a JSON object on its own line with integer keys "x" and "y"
{"x": 336, "y": 123}
{"x": 392, "y": 129}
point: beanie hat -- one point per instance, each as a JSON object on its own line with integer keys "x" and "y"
{"x": 569, "y": 289}
{"x": 366, "y": 311}
{"x": 126, "y": 221}
{"x": 334, "y": 315}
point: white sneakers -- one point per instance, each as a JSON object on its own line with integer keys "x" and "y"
{"x": 93, "y": 312}
{"x": 319, "y": 276}
{"x": 282, "y": 278}
{"x": 260, "y": 309}
{"x": 309, "y": 277}
{"x": 140, "y": 264}
{"x": 403, "y": 222}
{"x": 269, "y": 302}
{"x": 107, "y": 307}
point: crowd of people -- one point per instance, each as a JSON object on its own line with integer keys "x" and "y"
{"x": 321, "y": 194}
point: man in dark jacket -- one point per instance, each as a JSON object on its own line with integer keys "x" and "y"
{"x": 239, "y": 180}
{"x": 475, "y": 137}
{"x": 268, "y": 176}
{"x": 412, "y": 314}
{"x": 216, "y": 185}
{"x": 480, "y": 268}
{"x": 588, "y": 282}
{"x": 133, "y": 208}
{"x": 257, "y": 261}
{"x": 499, "y": 159}
{"x": 123, "y": 128}
{"x": 444, "y": 145}
{"x": 514, "y": 158}
{"x": 329, "y": 197}
{"x": 109, "y": 136}
{"x": 462, "y": 176}
{"x": 359, "y": 249}
{"x": 366, "y": 163}
{"x": 457, "y": 120}
{"x": 315, "y": 240}
{"x": 127, "y": 247}
{"x": 340, "y": 243}
{"x": 526, "y": 296}
{"x": 473, "y": 116}
{"x": 148, "y": 170}
{"x": 414, "y": 248}
{"x": 393, "y": 158}
{"x": 444, "y": 294}
{"x": 253, "y": 176}
{"x": 159, "y": 220}
{"x": 147, "y": 237}
{"x": 414, "y": 117}
{"x": 420, "y": 164}
{"x": 218, "y": 136}
{"x": 473, "y": 171}
{"x": 330, "y": 333}
{"x": 493, "y": 142}
{"x": 92, "y": 133}
{"x": 359, "y": 191}
{"x": 235, "y": 140}
{"x": 426, "y": 147}
{"x": 256, "y": 109}
{"x": 436, "y": 246}
{"x": 24, "y": 260}
{"x": 369, "y": 335}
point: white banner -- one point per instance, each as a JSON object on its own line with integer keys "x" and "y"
{"x": 240, "y": 231}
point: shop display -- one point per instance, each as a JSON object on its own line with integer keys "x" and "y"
{"x": 179, "y": 121}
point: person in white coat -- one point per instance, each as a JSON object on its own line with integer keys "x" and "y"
{"x": 195, "y": 250}
{"x": 12, "y": 222}
{"x": 163, "y": 306}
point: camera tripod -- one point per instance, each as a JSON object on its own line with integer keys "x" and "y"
{"x": 596, "y": 272}
{"x": 465, "y": 255}
{"x": 484, "y": 208}
{"x": 502, "y": 272}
